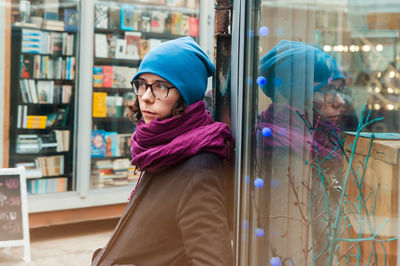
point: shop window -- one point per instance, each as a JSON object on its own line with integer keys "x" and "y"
{"x": 124, "y": 31}
{"x": 320, "y": 185}
{"x": 43, "y": 93}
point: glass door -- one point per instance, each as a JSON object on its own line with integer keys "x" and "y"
{"x": 321, "y": 90}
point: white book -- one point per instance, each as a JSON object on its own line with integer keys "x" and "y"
{"x": 101, "y": 45}
{"x": 32, "y": 88}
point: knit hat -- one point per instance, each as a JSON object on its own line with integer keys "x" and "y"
{"x": 183, "y": 63}
{"x": 293, "y": 66}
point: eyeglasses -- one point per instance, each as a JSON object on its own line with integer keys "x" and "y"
{"x": 159, "y": 90}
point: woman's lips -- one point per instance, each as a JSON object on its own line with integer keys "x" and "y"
{"x": 148, "y": 112}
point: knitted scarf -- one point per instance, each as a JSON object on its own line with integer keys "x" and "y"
{"x": 162, "y": 144}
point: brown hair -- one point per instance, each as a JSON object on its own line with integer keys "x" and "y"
{"x": 135, "y": 114}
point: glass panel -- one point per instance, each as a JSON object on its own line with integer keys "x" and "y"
{"x": 320, "y": 188}
{"x": 124, "y": 32}
{"x": 43, "y": 80}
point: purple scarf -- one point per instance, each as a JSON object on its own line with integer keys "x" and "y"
{"x": 162, "y": 144}
{"x": 288, "y": 130}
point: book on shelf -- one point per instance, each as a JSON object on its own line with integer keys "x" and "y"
{"x": 97, "y": 144}
{"x": 45, "y": 91}
{"x": 71, "y": 19}
{"x": 194, "y": 4}
{"x": 101, "y": 45}
{"x": 101, "y": 16}
{"x": 122, "y": 76}
{"x": 185, "y": 25}
{"x": 120, "y": 48}
{"x": 144, "y": 48}
{"x": 27, "y": 143}
{"x": 145, "y": 21}
{"x": 107, "y": 76}
{"x": 99, "y": 104}
{"x": 55, "y": 25}
{"x": 127, "y": 17}
{"x": 158, "y": 21}
{"x": 114, "y": 106}
{"x": 168, "y": 23}
{"x": 31, "y": 41}
{"x": 36, "y": 122}
{"x": 27, "y": 65}
{"x": 176, "y": 26}
{"x": 97, "y": 76}
{"x": 47, "y": 185}
{"x": 132, "y": 45}
{"x": 111, "y": 142}
{"x": 51, "y": 165}
{"x": 114, "y": 15}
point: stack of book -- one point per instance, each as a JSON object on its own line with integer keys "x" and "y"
{"x": 53, "y": 25}
{"x": 47, "y": 185}
{"x": 50, "y": 165}
{"x": 109, "y": 144}
{"x": 31, "y": 41}
{"x": 58, "y": 118}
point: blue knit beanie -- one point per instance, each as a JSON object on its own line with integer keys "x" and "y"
{"x": 183, "y": 63}
{"x": 293, "y": 65}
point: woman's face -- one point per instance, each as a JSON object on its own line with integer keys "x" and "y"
{"x": 153, "y": 108}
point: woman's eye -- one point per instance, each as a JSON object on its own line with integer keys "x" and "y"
{"x": 162, "y": 86}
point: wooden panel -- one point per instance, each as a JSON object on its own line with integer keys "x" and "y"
{"x": 75, "y": 215}
{"x": 6, "y": 111}
{"x": 381, "y": 184}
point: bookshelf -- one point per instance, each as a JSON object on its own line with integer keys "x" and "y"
{"x": 123, "y": 34}
{"x": 42, "y": 107}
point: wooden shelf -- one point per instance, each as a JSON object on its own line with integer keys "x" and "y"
{"x": 51, "y": 55}
{"x": 40, "y": 130}
{"x": 60, "y": 80}
{"x": 16, "y": 27}
{"x": 48, "y": 177}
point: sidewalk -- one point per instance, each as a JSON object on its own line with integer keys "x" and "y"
{"x": 66, "y": 245}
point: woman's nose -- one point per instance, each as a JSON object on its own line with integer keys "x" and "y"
{"x": 148, "y": 95}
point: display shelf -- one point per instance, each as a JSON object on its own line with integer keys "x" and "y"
{"x": 16, "y": 27}
{"x": 145, "y": 34}
{"x": 116, "y": 61}
{"x": 66, "y": 81}
{"x": 111, "y": 119}
{"x": 111, "y": 90}
{"x": 110, "y": 158}
{"x": 40, "y": 153}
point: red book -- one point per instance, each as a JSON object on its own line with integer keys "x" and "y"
{"x": 193, "y": 26}
{"x": 107, "y": 76}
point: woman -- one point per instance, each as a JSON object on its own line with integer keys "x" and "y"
{"x": 176, "y": 214}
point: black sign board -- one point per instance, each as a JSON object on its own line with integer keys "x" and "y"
{"x": 10, "y": 208}
{"x": 14, "y": 229}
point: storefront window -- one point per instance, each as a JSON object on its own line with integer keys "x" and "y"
{"x": 44, "y": 48}
{"x": 320, "y": 168}
{"x": 124, "y": 31}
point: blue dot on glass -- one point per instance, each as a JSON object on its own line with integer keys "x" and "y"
{"x": 278, "y": 81}
{"x": 275, "y": 261}
{"x": 263, "y": 31}
{"x": 250, "y": 34}
{"x": 261, "y": 81}
{"x": 245, "y": 224}
{"x": 281, "y": 131}
{"x": 266, "y": 132}
{"x": 259, "y": 232}
{"x": 275, "y": 182}
{"x": 258, "y": 182}
{"x": 279, "y": 31}
{"x": 247, "y": 179}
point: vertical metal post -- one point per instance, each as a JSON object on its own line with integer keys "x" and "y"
{"x": 84, "y": 126}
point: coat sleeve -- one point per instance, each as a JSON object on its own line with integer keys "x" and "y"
{"x": 202, "y": 219}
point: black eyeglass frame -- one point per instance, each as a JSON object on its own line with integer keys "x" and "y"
{"x": 151, "y": 88}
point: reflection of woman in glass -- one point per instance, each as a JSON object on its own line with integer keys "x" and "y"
{"x": 176, "y": 215}
{"x": 300, "y": 127}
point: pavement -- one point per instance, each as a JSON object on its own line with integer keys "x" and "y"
{"x": 63, "y": 245}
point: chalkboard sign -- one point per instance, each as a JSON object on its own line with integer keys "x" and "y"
{"x": 13, "y": 210}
